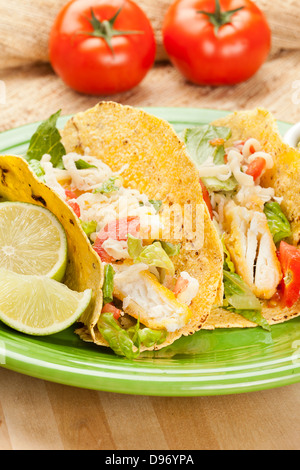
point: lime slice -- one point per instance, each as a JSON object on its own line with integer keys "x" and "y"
{"x": 32, "y": 241}
{"x": 38, "y": 305}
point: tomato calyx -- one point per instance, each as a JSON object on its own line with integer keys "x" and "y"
{"x": 220, "y": 18}
{"x": 105, "y": 29}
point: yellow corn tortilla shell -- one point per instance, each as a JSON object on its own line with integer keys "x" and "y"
{"x": 84, "y": 267}
{"x": 285, "y": 179}
{"x": 158, "y": 166}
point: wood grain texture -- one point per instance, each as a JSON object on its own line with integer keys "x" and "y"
{"x": 34, "y": 92}
{"x": 38, "y": 415}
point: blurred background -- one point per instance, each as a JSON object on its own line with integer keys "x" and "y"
{"x": 33, "y": 91}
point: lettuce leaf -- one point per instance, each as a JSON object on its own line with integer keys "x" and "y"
{"x": 108, "y": 285}
{"x": 89, "y": 227}
{"x": 238, "y": 294}
{"x": 134, "y": 246}
{"x": 118, "y": 339}
{"x": 128, "y": 342}
{"x": 228, "y": 264}
{"x": 240, "y": 299}
{"x": 170, "y": 248}
{"x": 279, "y": 225}
{"x": 47, "y": 140}
{"x": 149, "y": 338}
{"x": 198, "y": 141}
{"x": 155, "y": 255}
{"x": 83, "y": 165}
{"x": 254, "y": 316}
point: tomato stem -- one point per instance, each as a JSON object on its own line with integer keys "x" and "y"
{"x": 219, "y": 18}
{"x": 105, "y": 29}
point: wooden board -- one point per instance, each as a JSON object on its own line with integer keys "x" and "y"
{"x": 38, "y": 415}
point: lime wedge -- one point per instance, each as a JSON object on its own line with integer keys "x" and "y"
{"x": 32, "y": 241}
{"x": 38, "y": 305}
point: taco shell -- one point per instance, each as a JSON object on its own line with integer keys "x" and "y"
{"x": 285, "y": 179}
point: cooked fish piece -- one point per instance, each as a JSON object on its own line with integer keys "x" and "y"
{"x": 252, "y": 249}
{"x": 145, "y": 298}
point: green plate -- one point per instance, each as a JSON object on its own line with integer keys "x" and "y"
{"x": 207, "y": 363}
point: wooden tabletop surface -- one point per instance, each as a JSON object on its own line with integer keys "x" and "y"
{"x": 35, "y": 414}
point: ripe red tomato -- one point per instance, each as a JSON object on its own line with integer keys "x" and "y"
{"x": 102, "y": 46}
{"x": 215, "y": 42}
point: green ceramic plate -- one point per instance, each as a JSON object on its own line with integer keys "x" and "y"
{"x": 207, "y": 363}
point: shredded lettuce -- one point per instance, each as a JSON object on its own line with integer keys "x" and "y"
{"x": 238, "y": 294}
{"x": 128, "y": 342}
{"x": 198, "y": 141}
{"x": 170, "y": 248}
{"x": 37, "y": 168}
{"x": 108, "y": 285}
{"x": 228, "y": 264}
{"x": 254, "y": 316}
{"x": 134, "y": 246}
{"x": 279, "y": 225}
{"x": 108, "y": 186}
{"x": 89, "y": 227}
{"x": 153, "y": 255}
{"x": 47, "y": 140}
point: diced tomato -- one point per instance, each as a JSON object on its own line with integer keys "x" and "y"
{"x": 117, "y": 230}
{"x": 104, "y": 256}
{"x": 206, "y": 198}
{"x": 110, "y": 308}
{"x": 180, "y": 286}
{"x": 289, "y": 257}
{"x": 70, "y": 194}
{"x": 256, "y": 167}
{"x": 75, "y": 207}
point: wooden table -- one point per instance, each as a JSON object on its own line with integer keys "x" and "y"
{"x": 35, "y": 414}
{"x": 39, "y": 415}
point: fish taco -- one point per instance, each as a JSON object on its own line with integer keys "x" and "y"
{"x": 251, "y": 183}
{"x": 135, "y": 191}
